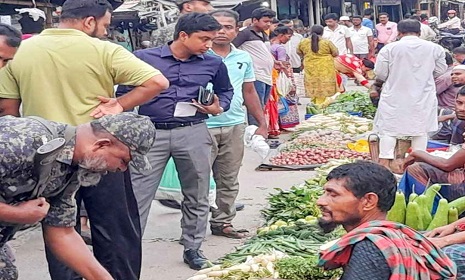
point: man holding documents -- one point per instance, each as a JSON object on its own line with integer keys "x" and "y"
{"x": 179, "y": 117}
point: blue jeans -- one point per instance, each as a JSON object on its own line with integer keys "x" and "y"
{"x": 263, "y": 91}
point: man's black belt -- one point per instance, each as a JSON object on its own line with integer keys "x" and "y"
{"x": 168, "y": 126}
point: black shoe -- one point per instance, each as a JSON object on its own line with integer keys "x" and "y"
{"x": 195, "y": 259}
{"x": 239, "y": 207}
{"x": 170, "y": 203}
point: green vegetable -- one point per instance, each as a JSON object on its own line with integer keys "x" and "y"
{"x": 425, "y": 214}
{"x": 453, "y": 215}
{"x": 299, "y": 268}
{"x": 412, "y": 197}
{"x": 397, "y": 212}
{"x": 441, "y": 218}
{"x": 430, "y": 194}
{"x": 413, "y": 217}
{"x": 459, "y": 204}
{"x": 353, "y": 101}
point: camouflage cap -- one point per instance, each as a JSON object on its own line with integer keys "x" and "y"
{"x": 180, "y": 2}
{"x": 135, "y": 131}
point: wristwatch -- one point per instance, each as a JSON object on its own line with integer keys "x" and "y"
{"x": 221, "y": 112}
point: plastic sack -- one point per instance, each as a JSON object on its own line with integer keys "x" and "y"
{"x": 283, "y": 84}
{"x": 256, "y": 142}
{"x": 283, "y": 106}
{"x": 170, "y": 186}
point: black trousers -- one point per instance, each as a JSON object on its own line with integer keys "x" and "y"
{"x": 115, "y": 225}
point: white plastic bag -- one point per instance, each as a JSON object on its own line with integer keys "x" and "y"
{"x": 283, "y": 84}
{"x": 256, "y": 142}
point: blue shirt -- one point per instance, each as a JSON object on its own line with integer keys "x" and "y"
{"x": 240, "y": 69}
{"x": 186, "y": 78}
{"x": 368, "y": 23}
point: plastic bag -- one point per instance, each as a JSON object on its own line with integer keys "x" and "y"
{"x": 256, "y": 142}
{"x": 283, "y": 84}
{"x": 170, "y": 186}
{"x": 283, "y": 106}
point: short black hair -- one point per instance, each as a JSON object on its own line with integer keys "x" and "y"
{"x": 262, "y": 12}
{"x": 286, "y": 21}
{"x": 196, "y": 22}
{"x": 281, "y": 30}
{"x": 357, "y": 16}
{"x": 368, "y": 12}
{"x": 461, "y": 92}
{"x": 364, "y": 177}
{"x": 331, "y": 16}
{"x": 409, "y": 26}
{"x": 383, "y": 14}
{"x": 423, "y": 16}
{"x": 226, "y": 13}
{"x": 80, "y": 9}
{"x": 12, "y": 36}
{"x": 274, "y": 21}
{"x": 449, "y": 59}
{"x": 368, "y": 63}
{"x": 459, "y": 50}
{"x": 415, "y": 17}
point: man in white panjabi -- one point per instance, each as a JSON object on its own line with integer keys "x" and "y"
{"x": 408, "y": 103}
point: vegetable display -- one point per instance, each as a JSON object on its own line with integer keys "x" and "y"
{"x": 339, "y": 122}
{"x": 311, "y": 156}
{"x": 299, "y": 268}
{"x": 418, "y": 212}
{"x": 319, "y": 138}
{"x": 353, "y": 101}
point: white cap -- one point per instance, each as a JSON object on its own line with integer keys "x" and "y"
{"x": 344, "y": 18}
{"x": 459, "y": 67}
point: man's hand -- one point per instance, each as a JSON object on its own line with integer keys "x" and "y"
{"x": 214, "y": 109}
{"x": 108, "y": 106}
{"x": 440, "y": 242}
{"x": 263, "y": 131}
{"x": 32, "y": 211}
{"x": 439, "y": 232}
{"x": 409, "y": 160}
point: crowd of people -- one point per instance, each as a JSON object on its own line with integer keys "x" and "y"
{"x": 66, "y": 127}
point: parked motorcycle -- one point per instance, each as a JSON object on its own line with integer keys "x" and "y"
{"x": 447, "y": 40}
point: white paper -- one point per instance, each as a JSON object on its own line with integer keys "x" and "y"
{"x": 184, "y": 109}
{"x": 5, "y": 19}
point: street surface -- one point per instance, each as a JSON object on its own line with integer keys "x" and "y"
{"x": 162, "y": 254}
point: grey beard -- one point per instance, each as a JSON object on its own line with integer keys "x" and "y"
{"x": 88, "y": 178}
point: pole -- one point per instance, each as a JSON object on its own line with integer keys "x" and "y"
{"x": 274, "y": 5}
{"x": 311, "y": 14}
{"x": 317, "y": 12}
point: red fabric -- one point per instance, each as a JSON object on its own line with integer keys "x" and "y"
{"x": 271, "y": 113}
{"x": 363, "y": 83}
{"x": 409, "y": 254}
{"x": 352, "y": 62}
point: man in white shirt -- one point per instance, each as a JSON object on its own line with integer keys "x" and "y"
{"x": 452, "y": 25}
{"x": 291, "y": 47}
{"x": 362, "y": 39}
{"x": 338, "y": 34}
{"x": 408, "y": 103}
{"x": 427, "y": 33}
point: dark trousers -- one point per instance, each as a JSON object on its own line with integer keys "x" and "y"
{"x": 115, "y": 226}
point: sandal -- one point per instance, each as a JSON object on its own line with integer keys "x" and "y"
{"x": 227, "y": 230}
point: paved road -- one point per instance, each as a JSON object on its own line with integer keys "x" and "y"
{"x": 162, "y": 255}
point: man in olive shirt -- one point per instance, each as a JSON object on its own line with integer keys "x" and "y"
{"x": 67, "y": 76}
{"x": 10, "y": 39}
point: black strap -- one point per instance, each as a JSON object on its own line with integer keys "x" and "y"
{"x": 43, "y": 162}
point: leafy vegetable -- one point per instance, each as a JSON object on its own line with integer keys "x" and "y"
{"x": 299, "y": 268}
{"x": 353, "y": 101}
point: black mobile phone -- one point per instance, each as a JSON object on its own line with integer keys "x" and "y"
{"x": 205, "y": 96}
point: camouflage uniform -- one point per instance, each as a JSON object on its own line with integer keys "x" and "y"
{"x": 19, "y": 140}
{"x": 163, "y": 35}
